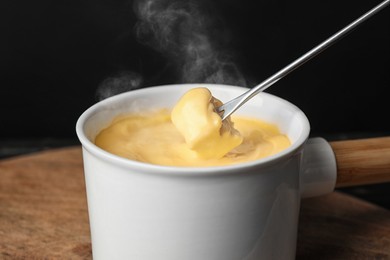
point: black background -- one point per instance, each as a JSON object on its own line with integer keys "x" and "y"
{"x": 54, "y": 55}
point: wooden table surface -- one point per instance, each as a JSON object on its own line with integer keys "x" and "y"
{"x": 43, "y": 215}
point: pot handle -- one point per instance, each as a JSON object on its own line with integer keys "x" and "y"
{"x": 362, "y": 161}
{"x": 326, "y": 166}
{"x": 318, "y": 168}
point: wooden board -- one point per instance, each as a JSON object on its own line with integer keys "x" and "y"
{"x": 43, "y": 215}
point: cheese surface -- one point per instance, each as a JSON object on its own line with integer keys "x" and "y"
{"x": 192, "y": 134}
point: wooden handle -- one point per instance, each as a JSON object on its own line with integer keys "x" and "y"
{"x": 364, "y": 161}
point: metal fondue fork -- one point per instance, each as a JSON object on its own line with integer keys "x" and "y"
{"x": 229, "y": 107}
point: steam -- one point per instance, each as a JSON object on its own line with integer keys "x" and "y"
{"x": 191, "y": 40}
{"x": 181, "y": 31}
{"x": 122, "y": 82}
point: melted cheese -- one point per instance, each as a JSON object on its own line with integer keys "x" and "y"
{"x": 202, "y": 128}
{"x": 192, "y": 134}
